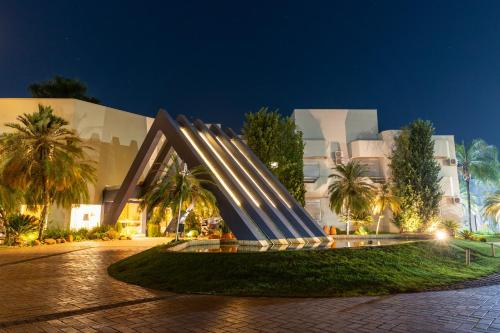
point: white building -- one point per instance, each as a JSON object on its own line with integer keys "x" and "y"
{"x": 333, "y": 136}
{"x": 115, "y": 137}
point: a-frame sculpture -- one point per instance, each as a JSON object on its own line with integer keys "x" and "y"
{"x": 254, "y": 204}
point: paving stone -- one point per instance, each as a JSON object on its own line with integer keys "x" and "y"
{"x": 65, "y": 288}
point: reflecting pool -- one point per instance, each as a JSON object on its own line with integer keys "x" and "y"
{"x": 337, "y": 244}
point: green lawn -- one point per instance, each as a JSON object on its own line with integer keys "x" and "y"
{"x": 341, "y": 272}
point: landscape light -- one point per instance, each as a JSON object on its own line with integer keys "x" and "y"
{"x": 441, "y": 235}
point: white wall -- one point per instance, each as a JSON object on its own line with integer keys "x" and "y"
{"x": 355, "y": 133}
{"x": 114, "y": 135}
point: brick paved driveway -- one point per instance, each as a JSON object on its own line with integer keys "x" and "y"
{"x": 65, "y": 288}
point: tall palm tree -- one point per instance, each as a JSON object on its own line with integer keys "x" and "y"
{"x": 177, "y": 190}
{"x": 492, "y": 205}
{"x": 477, "y": 160}
{"x": 47, "y": 161}
{"x": 351, "y": 191}
{"x": 383, "y": 200}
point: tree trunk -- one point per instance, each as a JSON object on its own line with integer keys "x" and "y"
{"x": 348, "y": 221}
{"x": 378, "y": 223}
{"x": 467, "y": 183}
{"x": 44, "y": 218}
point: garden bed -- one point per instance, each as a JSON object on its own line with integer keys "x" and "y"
{"x": 342, "y": 272}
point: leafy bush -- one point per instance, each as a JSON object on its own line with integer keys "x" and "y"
{"x": 450, "y": 226}
{"x": 98, "y": 232}
{"x": 119, "y": 227}
{"x": 80, "y": 234}
{"x": 112, "y": 234}
{"x": 361, "y": 231}
{"x": 482, "y": 239}
{"x": 19, "y": 224}
{"x": 56, "y": 233}
{"x": 154, "y": 230}
{"x": 192, "y": 233}
{"x": 468, "y": 235}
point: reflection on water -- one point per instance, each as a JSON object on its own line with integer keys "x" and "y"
{"x": 337, "y": 244}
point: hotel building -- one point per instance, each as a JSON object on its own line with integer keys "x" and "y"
{"x": 331, "y": 137}
{"x": 334, "y": 136}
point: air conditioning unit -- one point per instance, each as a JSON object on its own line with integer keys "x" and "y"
{"x": 452, "y": 161}
{"x": 339, "y": 157}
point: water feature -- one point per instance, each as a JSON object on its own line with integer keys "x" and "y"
{"x": 337, "y": 244}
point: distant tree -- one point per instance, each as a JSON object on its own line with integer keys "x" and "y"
{"x": 351, "y": 192}
{"x": 415, "y": 174}
{"x": 279, "y": 145}
{"x": 492, "y": 205}
{"x": 61, "y": 87}
{"x": 46, "y": 161}
{"x": 477, "y": 160}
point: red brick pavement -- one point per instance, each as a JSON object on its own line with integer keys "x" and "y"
{"x": 65, "y": 288}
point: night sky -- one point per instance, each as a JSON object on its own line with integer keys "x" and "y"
{"x": 437, "y": 60}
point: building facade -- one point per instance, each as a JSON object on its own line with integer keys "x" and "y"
{"x": 334, "y": 136}
{"x": 331, "y": 136}
{"x": 115, "y": 137}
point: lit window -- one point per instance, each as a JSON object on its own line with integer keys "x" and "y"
{"x": 85, "y": 216}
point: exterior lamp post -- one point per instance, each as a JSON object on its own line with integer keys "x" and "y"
{"x": 184, "y": 172}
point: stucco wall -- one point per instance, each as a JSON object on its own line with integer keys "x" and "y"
{"x": 355, "y": 134}
{"x": 114, "y": 135}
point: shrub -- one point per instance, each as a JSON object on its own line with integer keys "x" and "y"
{"x": 482, "y": 239}
{"x": 56, "y": 233}
{"x": 154, "y": 230}
{"x": 119, "y": 227}
{"x": 112, "y": 234}
{"x": 468, "y": 235}
{"x": 361, "y": 231}
{"x": 450, "y": 226}
{"x": 20, "y": 224}
{"x": 98, "y": 232}
{"x": 192, "y": 233}
{"x": 80, "y": 234}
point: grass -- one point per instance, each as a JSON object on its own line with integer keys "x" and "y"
{"x": 342, "y": 272}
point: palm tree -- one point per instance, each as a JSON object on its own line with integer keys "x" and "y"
{"x": 492, "y": 205}
{"x": 476, "y": 201}
{"x": 47, "y": 161}
{"x": 10, "y": 202}
{"x": 477, "y": 160}
{"x": 385, "y": 199}
{"x": 351, "y": 192}
{"x": 178, "y": 190}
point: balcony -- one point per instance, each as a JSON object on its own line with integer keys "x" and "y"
{"x": 311, "y": 173}
{"x": 367, "y": 148}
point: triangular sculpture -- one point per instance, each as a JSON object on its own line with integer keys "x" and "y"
{"x": 254, "y": 204}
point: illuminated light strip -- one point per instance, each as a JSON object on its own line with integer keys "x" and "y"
{"x": 262, "y": 175}
{"x": 229, "y": 169}
{"x": 246, "y": 171}
{"x": 210, "y": 166}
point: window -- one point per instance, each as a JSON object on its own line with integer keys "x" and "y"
{"x": 313, "y": 207}
{"x": 311, "y": 172}
{"x": 85, "y": 216}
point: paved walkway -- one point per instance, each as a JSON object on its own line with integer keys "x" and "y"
{"x": 65, "y": 288}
